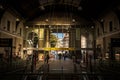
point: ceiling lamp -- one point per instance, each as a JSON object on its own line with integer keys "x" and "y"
{"x": 80, "y": 8}
{"x": 46, "y": 20}
{"x": 17, "y": 19}
{"x": 42, "y": 7}
{"x": 26, "y": 27}
{"x": 73, "y": 20}
{"x": 1, "y": 7}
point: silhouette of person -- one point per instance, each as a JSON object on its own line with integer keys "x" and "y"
{"x": 47, "y": 58}
{"x": 60, "y": 55}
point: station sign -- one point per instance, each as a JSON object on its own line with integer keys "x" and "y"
{"x": 48, "y": 49}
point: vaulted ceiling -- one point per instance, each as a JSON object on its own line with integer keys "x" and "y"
{"x": 31, "y": 9}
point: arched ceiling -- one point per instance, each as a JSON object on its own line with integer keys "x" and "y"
{"x": 88, "y": 9}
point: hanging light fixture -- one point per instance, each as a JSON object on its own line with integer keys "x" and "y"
{"x": 73, "y": 20}
{"x": 80, "y": 8}
{"x": 42, "y": 7}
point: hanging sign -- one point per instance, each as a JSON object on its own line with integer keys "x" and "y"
{"x": 47, "y": 49}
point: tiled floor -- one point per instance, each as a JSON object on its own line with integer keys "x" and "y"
{"x": 64, "y": 66}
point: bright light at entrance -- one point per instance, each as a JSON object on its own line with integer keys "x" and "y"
{"x": 61, "y": 45}
{"x": 62, "y": 40}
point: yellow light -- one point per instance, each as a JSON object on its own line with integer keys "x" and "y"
{"x": 48, "y": 49}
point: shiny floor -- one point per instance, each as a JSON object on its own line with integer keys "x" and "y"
{"x": 62, "y": 69}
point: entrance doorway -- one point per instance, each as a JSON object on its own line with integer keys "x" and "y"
{"x": 60, "y": 39}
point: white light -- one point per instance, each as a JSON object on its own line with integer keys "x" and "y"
{"x": 1, "y": 7}
{"x": 46, "y": 20}
{"x": 79, "y": 8}
{"x": 49, "y": 26}
{"x": 29, "y": 52}
{"x": 92, "y": 27}
{"x": 102, "y": 20}
{"x": 31, "y": 42}
{"x": 26, "y": 27}
{"x": 42, "y": 7}
{"x": 73, "y": 20}
{"x": 83, "y": 42}
{"x": 17, "y": 19}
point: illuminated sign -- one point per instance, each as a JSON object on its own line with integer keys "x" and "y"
{"x": 47, "y": 49}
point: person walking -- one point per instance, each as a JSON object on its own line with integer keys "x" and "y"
{"x": 60, "y": 56}
{"x": 47, "y": 58}
{"x": 64, "y": 56}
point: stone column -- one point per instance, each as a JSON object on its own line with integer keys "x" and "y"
{"x": 47, "y": 44}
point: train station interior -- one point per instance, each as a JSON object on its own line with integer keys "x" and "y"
{"x": 59, "y": 40}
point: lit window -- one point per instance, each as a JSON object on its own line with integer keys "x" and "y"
{"x": 83, "y": 42}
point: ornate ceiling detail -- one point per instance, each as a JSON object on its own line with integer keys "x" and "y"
{"x": 75, "y": 3}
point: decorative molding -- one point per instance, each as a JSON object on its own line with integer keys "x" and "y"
{"x": 10, "y": 34}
